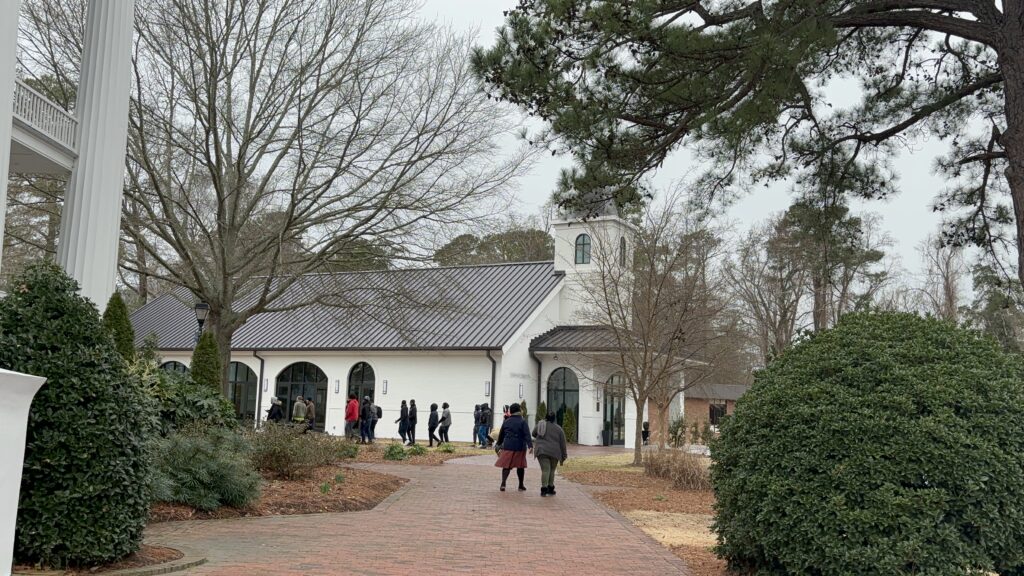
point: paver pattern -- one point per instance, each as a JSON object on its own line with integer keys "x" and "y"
{"x": 448, "y": 519}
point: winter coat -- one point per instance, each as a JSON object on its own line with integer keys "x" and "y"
{"x": 412, "y": 415}
{"x": 299, "y": 411}
{"x": 403, "y": 417}
{"x": 367, "y": 411}
{"x": 352, "y": 410}
{"x": 515, "y": 434}
{"x": 550, "y": 441}
{"x": 275, "y": 414}
{"x": 446, "y": 417}
{"x": 310, "y": 412}
{"x": 433, "y": 420}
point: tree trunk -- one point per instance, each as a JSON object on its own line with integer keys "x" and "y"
{"x": 638, "y": 457}
{"x": 820, "y": 312}
{"x": 1011, "y": 63}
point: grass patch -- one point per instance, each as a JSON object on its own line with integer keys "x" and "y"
{"x": 620, "y": 462}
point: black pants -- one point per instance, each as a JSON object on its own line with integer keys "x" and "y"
{"x": 411, "y": 433}
{"x": 444, "y": 434}
{"x": 433, "y": 436}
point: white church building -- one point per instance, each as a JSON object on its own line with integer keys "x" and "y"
{"x": 496, "y": 334}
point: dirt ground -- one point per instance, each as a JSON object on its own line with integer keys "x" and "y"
{"x": 327, "y": 489}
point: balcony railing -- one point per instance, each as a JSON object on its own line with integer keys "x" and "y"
{"x": 40, "y": 113}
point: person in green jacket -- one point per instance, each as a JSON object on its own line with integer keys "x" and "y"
{"x": 550, "y": 450}
{"x": 299, "y": 411}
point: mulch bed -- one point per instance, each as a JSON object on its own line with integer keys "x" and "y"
{"x": 374, "y": 454}
{"x": 146, "y": 556}
{"x": 321, "y": 491}
{"x": 702, "y": 562}
{"x": 608, "y": 478}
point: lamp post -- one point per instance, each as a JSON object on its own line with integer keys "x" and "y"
{"x": 202, "y": 310}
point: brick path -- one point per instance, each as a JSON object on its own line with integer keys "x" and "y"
{"x": 448, "y": 519}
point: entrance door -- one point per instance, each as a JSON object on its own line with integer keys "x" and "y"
{"x": 614, "y": 418}
{"x": 306, "y": 380}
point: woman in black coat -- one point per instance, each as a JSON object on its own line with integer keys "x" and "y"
{"x": 514, "y": 439}
{"x": 432, "y": 423}
{"x": 403, "y": 421}
{"x": 412, "y": 422}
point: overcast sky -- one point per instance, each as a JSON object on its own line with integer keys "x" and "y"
{"x": 907, "y": 218}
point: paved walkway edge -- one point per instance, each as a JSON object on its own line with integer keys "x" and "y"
{"x": 191, "y": 559}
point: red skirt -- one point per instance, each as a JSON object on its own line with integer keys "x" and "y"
{"x": 510, "y": 459}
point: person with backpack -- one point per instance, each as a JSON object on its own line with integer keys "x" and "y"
{"x": 550, "y": 450}
{"x": 514, "y": 439}
{"x": 486, "y": 424}
{"x": 365, "y": 421}
{"x": 403, "y": 421}
{"x": 377, "y": 415}
{"x": 351, "y": 416}
{"x": 432, "y": 424}
{"x": 446, "y": 422}
{"x": 412, "y": 422}
{"x": 275, "y": 414}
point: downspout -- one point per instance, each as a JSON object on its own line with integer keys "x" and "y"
{"x": 494, "y": 387}
{"x": 537, "y": 360}
{"x": 259, "y": 390}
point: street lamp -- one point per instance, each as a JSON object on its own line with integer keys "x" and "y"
{"x": 202, "y": 310}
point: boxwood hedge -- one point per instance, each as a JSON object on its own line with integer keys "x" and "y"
{"x": 891, "y": 444}
{"x": 84, "y": 490}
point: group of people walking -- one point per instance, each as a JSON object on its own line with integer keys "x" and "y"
{"x": 547, "y": 443}
{"x": 482, "y": 425}
{"x": 303, "y": 412}
{"x": 437, "y": 423}
{"x": 362, "y": 417}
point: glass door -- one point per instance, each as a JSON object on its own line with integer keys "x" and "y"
{"x": 614, "y": 418}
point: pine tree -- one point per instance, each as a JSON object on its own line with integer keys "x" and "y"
{"x": 206, "y": 368}
{"x": 117, "y": 323}
{"x": 525, "y": 414}
{"x": 569, "y": 426}
{"x": 542, "y": 411}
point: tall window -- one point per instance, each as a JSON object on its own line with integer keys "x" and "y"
{"x": 622, "y": 251}
{"x": 242, "y": 384}
{"x": 563, "y": 394}
{"x": 174, "y": 366}
{"x": 583, "y": 249}
{"x": 361, "y": 381}
{"x": 307, "y": 380}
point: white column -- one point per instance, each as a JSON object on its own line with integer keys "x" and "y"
{"x": 8, "y": 60}
{"x": 17, "y": 390}
{"x": 91, "y": 220}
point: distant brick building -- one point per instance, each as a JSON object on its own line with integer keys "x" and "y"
{"x": 709, "y": 402}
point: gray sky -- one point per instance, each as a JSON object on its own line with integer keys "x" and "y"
{"x": 907, "y": 217}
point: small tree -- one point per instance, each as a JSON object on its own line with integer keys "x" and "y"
{"x": 526, "y": 415}
{"x": 85, "y": 483}
{"x": 569, "y": 425}
{"x": 117, "y": 323}
{"x": 206, "y": 367}
{"x": 542, "y": 411}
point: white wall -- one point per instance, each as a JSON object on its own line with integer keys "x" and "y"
{"x": 454, "y": 377}
{"x": 605, "y": 234}
{"x": 518, "y": 368}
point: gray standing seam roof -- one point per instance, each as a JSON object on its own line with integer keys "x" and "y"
{"x": 456, "y": 308}
{"x": 575, "y": 338}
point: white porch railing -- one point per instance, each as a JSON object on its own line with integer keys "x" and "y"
{"x": 40, "y": 113}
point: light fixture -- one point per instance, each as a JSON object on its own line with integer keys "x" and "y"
{"x": 487, "y": 387}
{"x": 266, "y": 384}
{"x": 385, "y": 387}
{"x": 520, "y": 390}
{"x": 202, "y": 310}
{"x": 337, "y": 386}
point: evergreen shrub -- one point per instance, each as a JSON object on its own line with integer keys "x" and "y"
{"x": 416, "y": 450}
{"x": 542, "y": 411}
{"x": 569, "y": 426}
{"x": 85, "y": 490}
{"x": 119, "y": 325}
{"x": 205, "y": 468}
{"x": 180, "y": 402}
{"x": 394, "y": 452}
{"x": 205, "y": 368}
{"x": 446, "y": 448}
{"x": 289, "y": 452}
{"x": 891, "y": 444}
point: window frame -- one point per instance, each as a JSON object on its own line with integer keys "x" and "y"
{"x": 583, "y": 248}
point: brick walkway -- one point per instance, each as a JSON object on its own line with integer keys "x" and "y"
{"x": 448, "y": 519}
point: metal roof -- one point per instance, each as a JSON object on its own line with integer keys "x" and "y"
{"x": 575, "y": 338}
{"x": 717, "y": 391}
{"x": 462, "y": 308}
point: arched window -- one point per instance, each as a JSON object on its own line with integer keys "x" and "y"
{"x": 622, "y": 251}
{"x": 564, "y": 394}
{"x": 307, "y": 380}
{"x": 242, "y": 383}
{"x": 361, "y": 381}
{"x": 583, "y": 249}
{"x": 174, "y": 366}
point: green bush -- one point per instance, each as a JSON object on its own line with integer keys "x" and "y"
{"x": 117, "y": 323}
{"x": 205, "y": 368}
{"x": 205, "y": 468}
{"x": 394, "y": 452}
{"x": 687, "y": 471}
{"x": 180, "y": 402}
{"x": 890, "y": 444}
{"x": 542, "y": 411}
{"x": 447, "y": 448}
{"x": 416, "y": 450}
{"x": 287, "y": 452}
{"x": 85, "y": 490}
{"x": 569, "y": 425}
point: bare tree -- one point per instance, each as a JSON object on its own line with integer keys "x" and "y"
{"x": 768, "y": 284}
{"x": 661, "y": 313}
{"x": 268, "y": 140}
{"x": 945, "y": 272}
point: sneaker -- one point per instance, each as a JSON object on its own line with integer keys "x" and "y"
{"x": 543, "y": 492}
{"x": 502, "y": 487}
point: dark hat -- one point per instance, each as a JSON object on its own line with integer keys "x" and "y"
{"x": 514, "y": 409}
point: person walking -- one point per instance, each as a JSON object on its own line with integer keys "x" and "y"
{"x": 446, "y": 422}
{"x": 412, "y": 422}
{"x": 366, "y": 421}
{"x": 514, "y": 439}
{"x": 432, "y": 424}
{"x": 476, "y": 425}
{"x": 299, "y": 411}
{"x": 275, "y": 414}
{"x": 550, "y": 450}
{"x": 403, "y": 421}
{"x": 310, "y": 414}
{"x": 486, "y": 417}
{"x": 351, "y": 416}
{"x": 377, "y": 415}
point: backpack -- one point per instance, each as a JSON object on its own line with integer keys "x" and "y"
{"x": 380, "y": 413}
